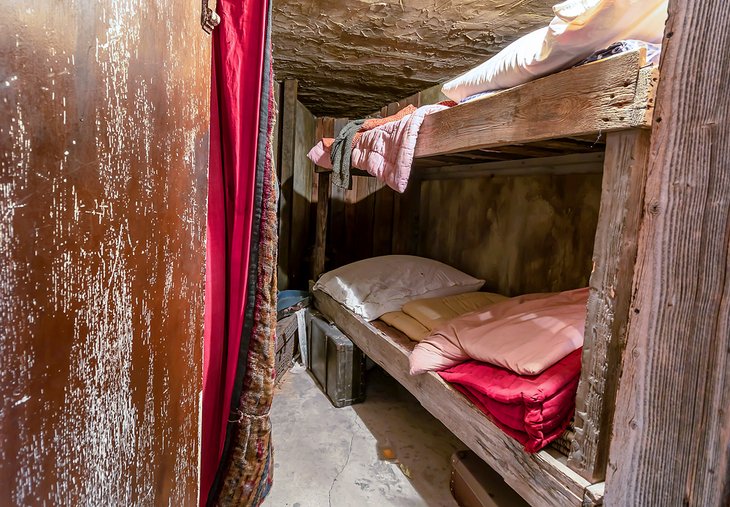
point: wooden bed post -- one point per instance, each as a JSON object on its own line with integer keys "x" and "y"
{"x": 614, "y": 255}
{"x": 320, "y": 240}
{"x": 671, "y": 439}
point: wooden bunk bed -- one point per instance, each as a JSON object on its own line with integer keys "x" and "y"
{"x": 603, "y": 106}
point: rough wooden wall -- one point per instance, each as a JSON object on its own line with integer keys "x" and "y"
{"x": 103, "y": 157}
{"x": 522, "y": 234}
{"x": 352, "y": 56}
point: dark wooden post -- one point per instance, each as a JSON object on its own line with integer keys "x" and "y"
{"x": 671, "y": 437}
{"x": 320, "y": 240}
{"x": 287, "y": 138}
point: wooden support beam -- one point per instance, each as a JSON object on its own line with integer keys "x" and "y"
{"x": 614, "y": 254}
{"x": 287, "y": 138}
{"x": 580, "y": 163}
{"x": 320, "y": 240}
{"x": 301, "y": 239}
{"x": 671, "y": 438}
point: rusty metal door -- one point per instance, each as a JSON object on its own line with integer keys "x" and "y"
{"x": 103, "y": 171}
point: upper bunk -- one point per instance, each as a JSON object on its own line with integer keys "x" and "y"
{"x": 569, "y": 112}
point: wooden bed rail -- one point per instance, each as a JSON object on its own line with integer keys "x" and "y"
{"x": 605, "y": 96}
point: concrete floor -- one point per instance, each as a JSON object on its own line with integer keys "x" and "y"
{"x": 329, "y": 457}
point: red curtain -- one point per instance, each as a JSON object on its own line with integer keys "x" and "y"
{"x": 239, "y": 45}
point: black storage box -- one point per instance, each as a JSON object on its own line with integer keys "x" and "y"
{"x": 287, "y": 335}
{"x": 336, "y": 363}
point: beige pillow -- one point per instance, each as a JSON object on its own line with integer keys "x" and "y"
{"x": 378, "y": 285}
{"x": 406, "y": 325}
{"x": 435, "y": 312}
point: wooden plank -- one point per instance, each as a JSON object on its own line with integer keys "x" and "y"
{"x": 541, "y": 478}
{"x": 431, "y": 95}
{"x": 300, "y": 240}
{"x": 393, "y": 108}
{"x": 104, "y": 169}
{"x": 406, "y": 210}
{"x": 611, "y": 94}
{"x": 276, "y": 134}
{"x": 383, "y": 220}
{"x": 567, "y": 164}
{"x": 323, "y": 201}
{"x": 287, "y": 138}
{"x": 350, "y": 235}
{"x": 364, "y": 216}
{"x": 671, "y": 441}
{"x": 614, "y": 254}
{"x": 532, "y": 233}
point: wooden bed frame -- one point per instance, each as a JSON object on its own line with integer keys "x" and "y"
{"x": 551, "y": 481}
{"x": 575, "y": 111}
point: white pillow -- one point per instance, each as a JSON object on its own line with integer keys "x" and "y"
{"x": 579, "y": 28}
{"x": 379, "y": 285}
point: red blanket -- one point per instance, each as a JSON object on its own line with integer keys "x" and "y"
{"x": 534, "y": 410}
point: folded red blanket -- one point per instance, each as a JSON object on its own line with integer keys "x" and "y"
{"x": 534, "y": 410}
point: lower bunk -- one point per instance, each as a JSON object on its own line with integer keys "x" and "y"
{"x": 542, "y": 478}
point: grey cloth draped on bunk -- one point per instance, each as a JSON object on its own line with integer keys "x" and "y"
{"x": 342, "y": 153}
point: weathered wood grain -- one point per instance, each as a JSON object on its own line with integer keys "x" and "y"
{"x": 383, "y": 219}
{"x": 336, "y": 229}
{"x": 104, "y": 119}
{"x": 602, "y": 96}
{"x": 529, "y": 233}
{"x": 566, "y": 164}
{"x": 671, "y": 436}
{"x": 323, "y": 201}
{"x": 287, "y": 150}
{"x": 406, "y": 211}
{"x": 542, "y": 479}
{"x": 614, "y": 255}
{"x": 301, "y": 240}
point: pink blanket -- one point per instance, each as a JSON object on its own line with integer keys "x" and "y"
{"x": 526, "y": 334}
{"x": 385, "y": 152}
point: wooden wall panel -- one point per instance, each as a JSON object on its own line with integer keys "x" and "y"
{"x": 302, "y": 228}
{"x": 522, "y": 234}
{"x": 103, "y": 178}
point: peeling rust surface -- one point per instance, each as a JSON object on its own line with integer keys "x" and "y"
{"x": 103, "y": 176}
{"x": 354, "y": 56}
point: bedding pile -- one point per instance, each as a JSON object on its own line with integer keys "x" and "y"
{"x": 534, "y": 410}
{"x": 517, "y": 359}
